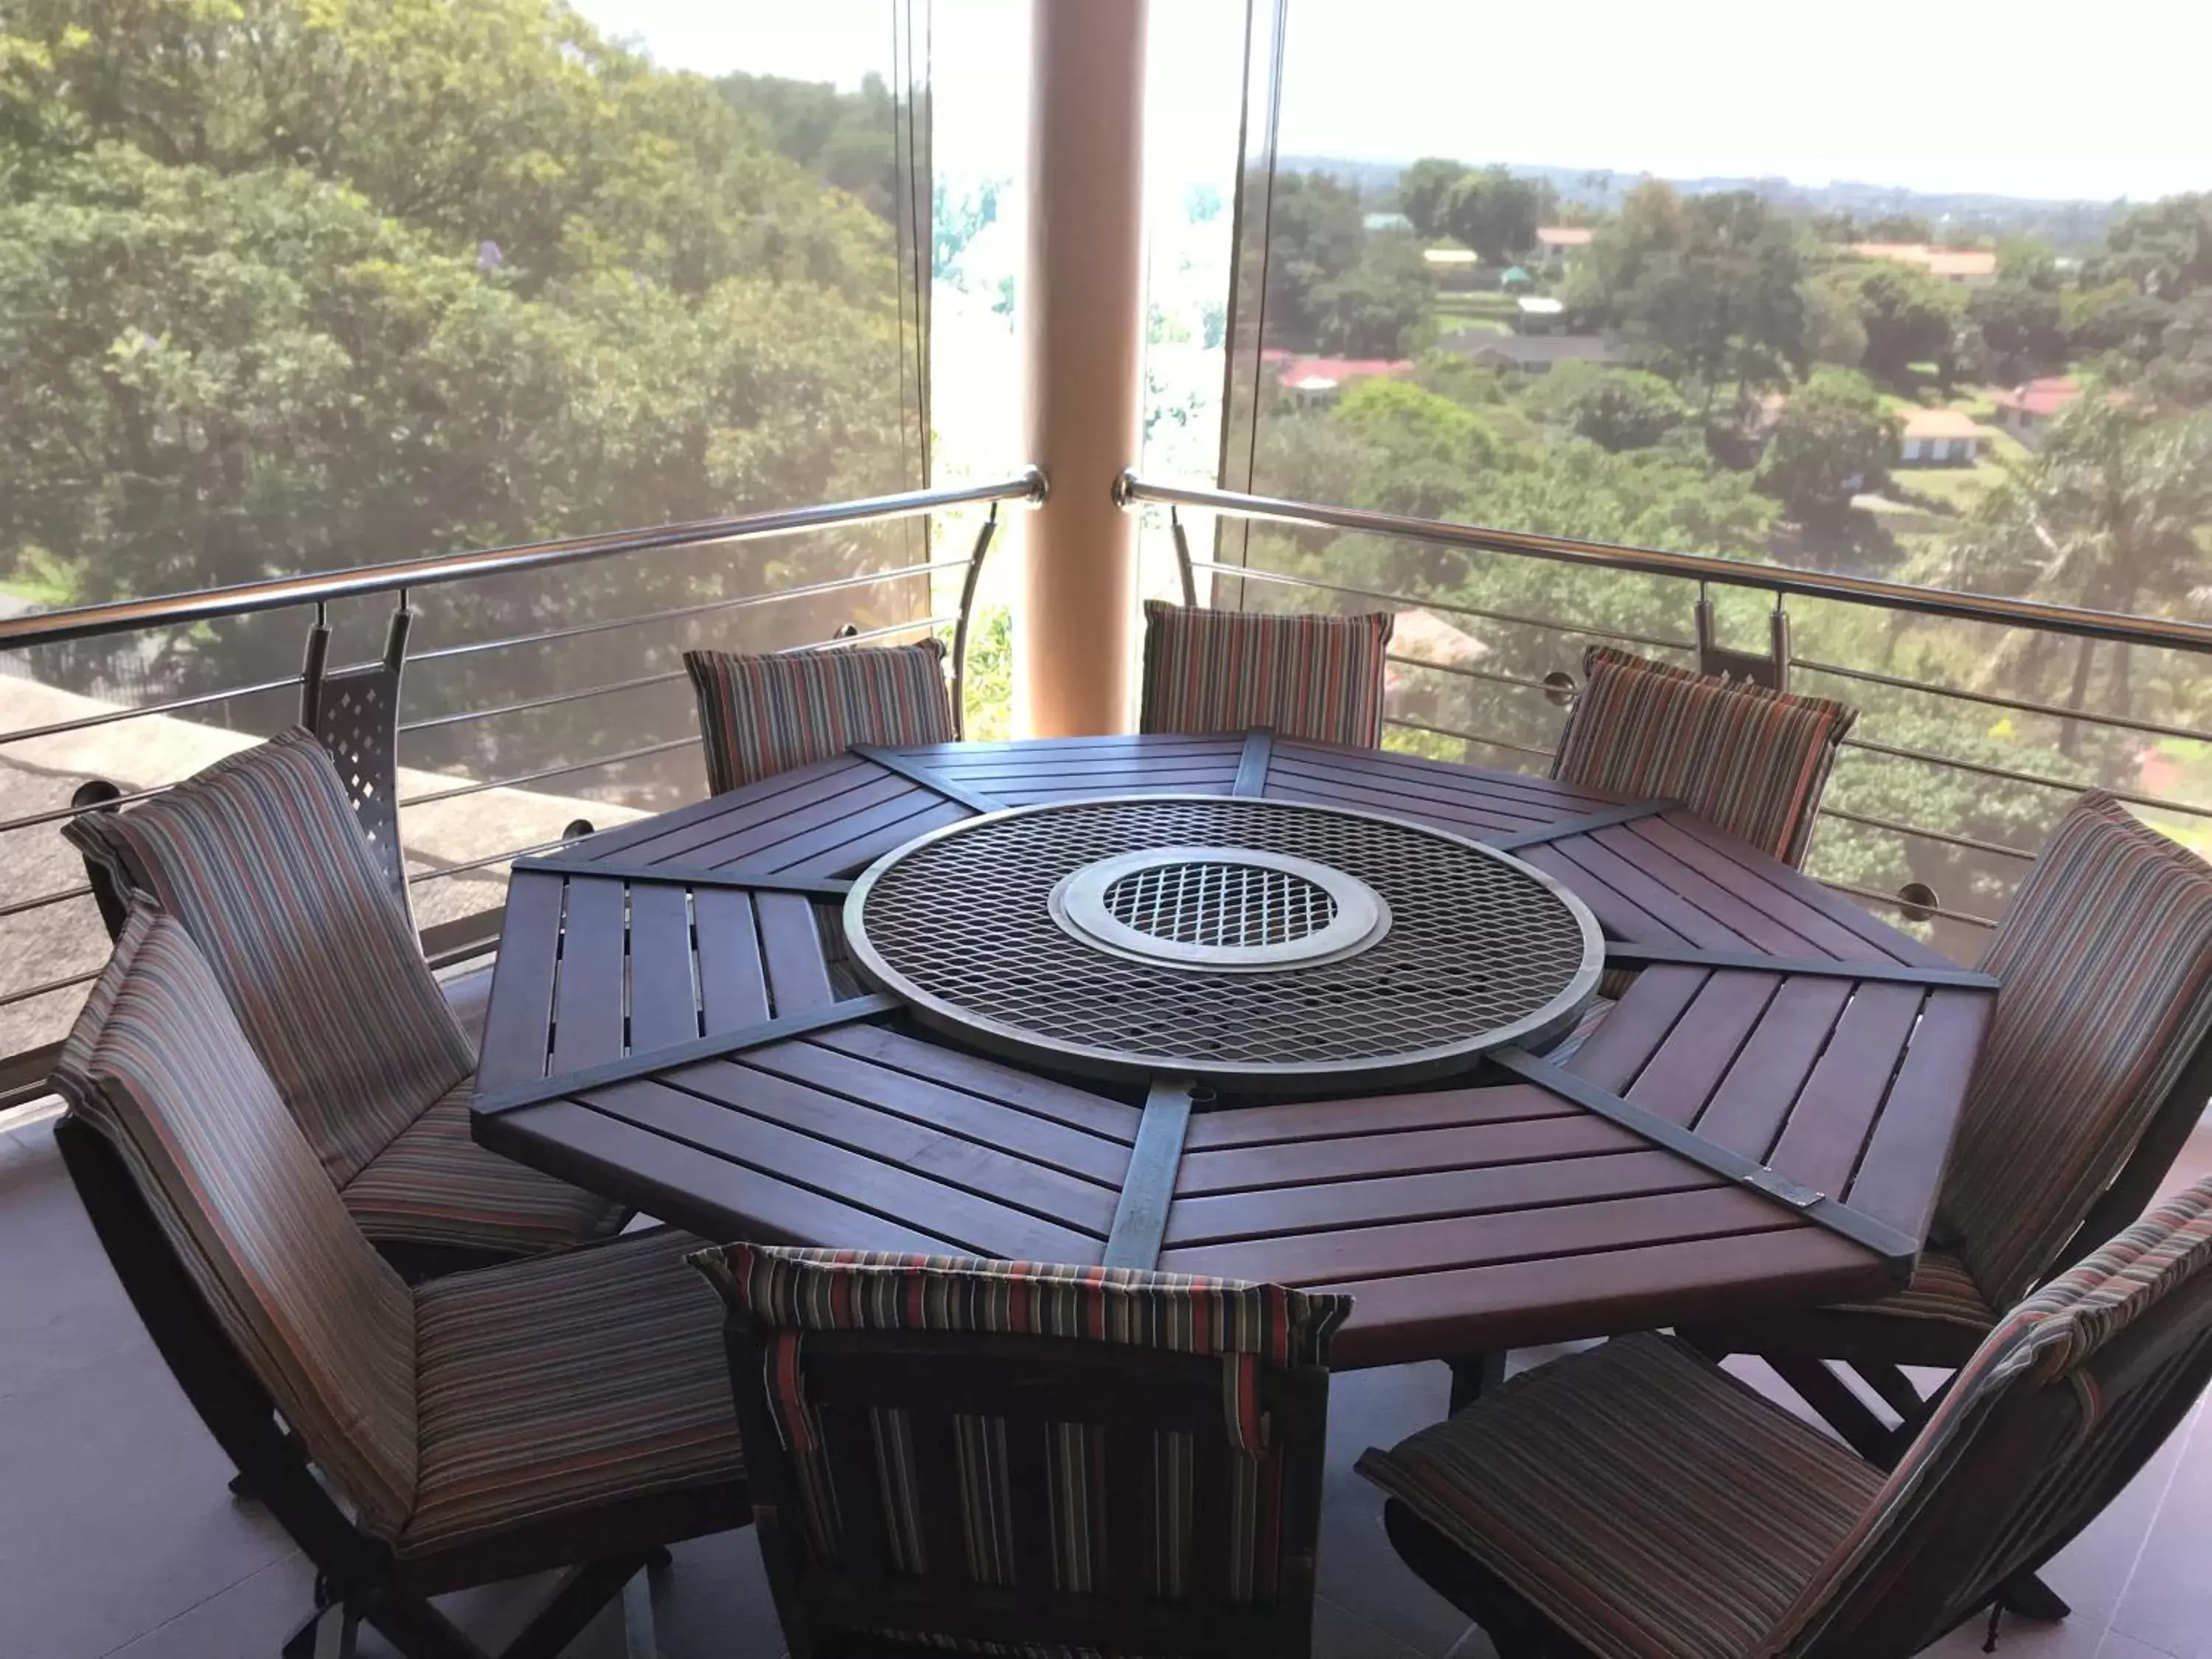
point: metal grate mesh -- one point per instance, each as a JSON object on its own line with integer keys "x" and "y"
{"x": 1240, "y": 905}
{"x": 1480, "y": 949}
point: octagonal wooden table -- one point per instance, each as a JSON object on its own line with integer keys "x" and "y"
{"x": 1760, "y": 1122}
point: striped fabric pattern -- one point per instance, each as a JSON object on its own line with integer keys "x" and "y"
{"x": 1653, "y": 1507}
{"x": 1644, "y": 1500}
{"x": 1246, "y": 1326}
{"x": 1317, "y": 679}
{"x": 434, "y": 1185}
{"x": 2048, "y": 1340}
{"x": 2105, "y": 959}
{"x": 566, "y": 1382}
{"x": 762, "y": 715}
{"x": 1941, "y": 1290}
{"x": 1749, "y": 761}
{"x": 261, "y": 858}
{"x": 159, "y": 1066}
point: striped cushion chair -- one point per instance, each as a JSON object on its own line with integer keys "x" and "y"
{"x": 1637, "y": 1502}
{"x": 569, "y": 1409}
{"x": 1048, "y": 1461}
{"x": 262, "y": 859}
{"x": 762, "y": 715}
{"x": 1314, "y": 678}
{"x": 1749, "y": 761}
{"x": 2095, "y": 1068}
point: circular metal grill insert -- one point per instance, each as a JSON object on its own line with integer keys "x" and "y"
{"x": 1235, "y": 939}
{"x": 1188, "y": 902}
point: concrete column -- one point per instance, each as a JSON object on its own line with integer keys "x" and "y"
{"x": 1082, "y": 321}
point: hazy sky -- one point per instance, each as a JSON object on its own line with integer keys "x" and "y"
{"x": 2049, "y": 98}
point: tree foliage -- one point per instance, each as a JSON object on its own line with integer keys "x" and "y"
{"x": 1832, "y": 438}
{"x": 1615, "y": 409}
{"x": 1497, "y": 213}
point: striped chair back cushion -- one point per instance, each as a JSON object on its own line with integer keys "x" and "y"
{"x": 2062, "y": 1404}
{"x": 2105, "y": 963}
{"x": 260, "y": 856}
{"x": 1748, "y": 760}
{"x": 1315, "y": 678}
{"x": 158, "y": 1066}
{"x": 1096, "y": 1476}
{"x": 762, "y": 715}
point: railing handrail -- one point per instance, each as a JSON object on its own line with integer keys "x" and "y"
{"x": 129, "y": 615}
{"x": 1131, "y": 491}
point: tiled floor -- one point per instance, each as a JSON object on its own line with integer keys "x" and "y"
{"x": 117, "y": 1535}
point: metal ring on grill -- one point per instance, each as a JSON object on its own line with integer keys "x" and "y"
{"x": 1246, "y": 941}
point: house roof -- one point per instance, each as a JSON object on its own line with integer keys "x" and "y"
{"x": 1937, "y": 261}
{"x": 1451, "y": 256}
{"x": 1565, "y": 236}
{"x": 1319, "y": 374}
{"x": 2045, "y": 396}
{"x": 1942, "y": 423}
{"x": 1540, "y": 305}
{"x": 1525, "y": 350}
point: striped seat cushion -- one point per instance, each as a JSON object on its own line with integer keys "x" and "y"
{"x": 1315, "y": 678}
{"x": 762, "y": 715}
{"x": 434, "y": 1185}
{"x": 1749, "y": 761}
{"x": 2104, "y": 960}
{"x": 1246, "y": 1326}
{"x": 1642, "y": 1498}
{"x": 2052, "y": 1340}
{"x": 260, "y": 857}
{"x": 556, "y": 1385}
{"x": 1941, "y": 1290}
{"x": 159, "y": 1066}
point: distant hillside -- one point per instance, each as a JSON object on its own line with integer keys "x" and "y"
{"x": 2065, "y": 225}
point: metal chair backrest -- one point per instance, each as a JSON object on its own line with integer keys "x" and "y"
{"x": 2059, "y": 1408}
{"x": 1134, "y": 1490}
{"x": 355, "y": 715}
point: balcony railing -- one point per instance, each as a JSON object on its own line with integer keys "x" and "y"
{"x": 23, "y": 1073}
{"x": 1918, "y": 901}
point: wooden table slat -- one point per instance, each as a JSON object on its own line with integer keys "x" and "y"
{"x": 587, "y": 1005}
{"x": 1902, "y": 1170}
{"x": 1445, "y": 776}
{"x": 733, "y": 979}
{"x": 1305, "y": 1163}
{"x": 837, "y": 1149}
{"x": 764, "y": 846}
{"x": 948, "y": 1112}
{"x": 1835, "y": 1110}
{"x": 1434, "y": 1196}
{"x": 916, "y": 768}
{"x": 990, "y": 1079}
{"x": 1748, "y": 1110}
{"x": 1630, "y": 1034}
{"x": 1757, "y": 929}
{"x": 679, "y": 834}
{"x": 1684, "y": 1070}
{"x": 663, "y": 1001}
{"x": 711, "y": 1196}
{"x": 520, "y": 1014}
{"x": 1474, "y": 823}
{"x": 1381, "y": 1114}
{"x": 1620, "y": 916}
{"x": 790, "y": 951}
{"x": 882, "y": 835}
{"x": 1680, "y": 915}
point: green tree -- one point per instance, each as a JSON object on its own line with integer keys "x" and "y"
{"x": 1908, "y": 318}
{"x": 1832, "y": 438}
{"x": 1384, "y": 307}
{"x": 1615, "y": 409}
{"x": 1498, "y": 214}
{"x": 1315, "y": 236}
{"x": 2108, "y": 515}
{"x": 2116, "y": 317}
{"x": 2021, "y": 326}
{"x": 2164, "y": 249}
{"x": 1425, "y": 193}
{"x": 1833, "y": 332}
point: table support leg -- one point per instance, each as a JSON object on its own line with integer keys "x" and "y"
{"x": 1474, "y": 1377}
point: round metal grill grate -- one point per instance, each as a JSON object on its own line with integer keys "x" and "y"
{"x": 1220, "y": 903}
{"x": 1199, "y": 958}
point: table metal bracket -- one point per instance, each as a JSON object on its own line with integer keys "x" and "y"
{"x": 1252, "y": 765}
{"x": 1586, "y": 823}
{"x": 675, "y": 875}
{"x": 1892, "y": 1246}
{"x": 914, "y": 771}
{"x": 1140, "y": 1219}
{"x": 1625, "y": 952}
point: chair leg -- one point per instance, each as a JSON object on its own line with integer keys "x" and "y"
{"x": 1894, "y": 1388}
{"x": 582, "y": 1593}
{"x": 1842, "y": 1410}
{"x": 2028, "y": 1597}
{"x": 329, "y": 1632}
{"x": 418, "y": 1630}
{"x": 1474, "y": 1377}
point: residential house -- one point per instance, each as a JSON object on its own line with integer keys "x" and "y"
{"x": 1317, "y": 380}
{"x": 2028, "y": 408}
{"x": 1538, "y": 313}
{"x": 1564, "y": 244}
{"x": 1529, "y": 354}
{"x": 1940, "y": 437}
{"x": 1962, "y": 267}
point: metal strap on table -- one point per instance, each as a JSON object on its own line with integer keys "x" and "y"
{"x": 915, "y": 772}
